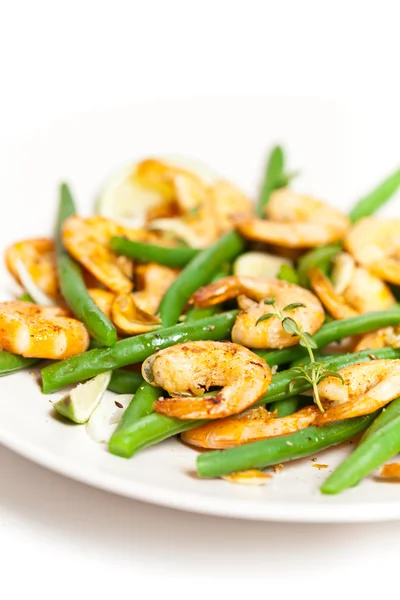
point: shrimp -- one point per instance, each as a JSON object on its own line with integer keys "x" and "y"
{"x": 387, "y": 336}
{"x": 40, "y": 331}
{"x": 295, "y": 221}
{"x": 130, "y": 318}
{"x": 228, "y": 201}
{"x": 375, "y": 244}
{"x": 196, "y": 224}
{"x": 334, "y": 304}
{"x": 87, "y": 240}
{"x": 252, "y": 425}
{"x": 267, "y": 333}
{"x": 366, "y": 387}
{"x": 187, "y": 370}
{"x": 38, "y": 256}
{"x": 155, "y": 279}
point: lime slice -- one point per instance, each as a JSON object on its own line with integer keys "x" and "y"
{"x": 82, "y": 400}
{"x": 107, "y": 415}
{"x": 125, "y": 200}
{"x": 259, "y": 264}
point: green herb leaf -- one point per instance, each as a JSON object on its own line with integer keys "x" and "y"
{"x": 293, "y": 306}
{"x": 265, "y": 317}
{"x": 290, "y": 326}
{"x": 307, "y": 340}
{"x": 269, "y": 300}
{"x": 326, "y": 374}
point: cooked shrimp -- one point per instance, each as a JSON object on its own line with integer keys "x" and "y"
{"x": 87, "y": 240}
{"x": 387, "y": 336}
{"x": 364, "y": 293}
{"x": 375, "y": 244}
{"x": 39, "y": 258}
{"x": 268, "y": 333}
{"x": 367, "y": 387}
{"x": 40, "y": 331}
{"x": 254, "y": 424}
{"x": 295, "y": 221}
{"x": 228, "y": 201}
{"x": 334, "y": 304}
{"x": 187, "y": 370}
{"x": 130, "y": 318}
{"x": 196, "y": 223}
{"x": 154, "y": 279}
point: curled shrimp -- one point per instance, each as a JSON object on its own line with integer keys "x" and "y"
{"x": 40, "y": 331}
{"x": 38, "y": 256}
{"x": 187, "y": 370}
{"x": 375, "y": 244}
{"x": 130, "y": 318}
{"x": 366, "y": 387}
{"x": 295, "y": 221}
{"x": 252, "y": 425}
{"x": 87, "y": 240}
{"x": 248, "y": 330}
{"x": 336, "y": 305}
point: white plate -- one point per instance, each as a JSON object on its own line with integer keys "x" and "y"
{"x": 340, "y": 156}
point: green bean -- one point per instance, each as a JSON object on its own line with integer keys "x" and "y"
{"x": 375, "y": 450}
{"x": 26, "y": 298}
{"x": 122, "y": 441}
{"x": 125, "y": 382}
{"x": 133, "y": 350}
{"x": 13, "y": 362}
{"x": 72, "y": 285}
{"x": 156, "y": 427}
{"x": 388, "y": 414}
{"x": 286, "y": 407}
{"x": 272, "y": 451}
{"x": 197, "y": 273}
{"x": 288, "y": 273}
{"x": 318, "y": 257}
{"x": 274, "y": 177}
{"x": 333, "y": 332}
{"x": 163, "y": 255}
{"x": 377, "y": 198}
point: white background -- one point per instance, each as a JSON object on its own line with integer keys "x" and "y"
{"x": 59, "y": 57}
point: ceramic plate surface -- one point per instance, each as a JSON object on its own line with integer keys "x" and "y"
{"x": 340, "y": 156}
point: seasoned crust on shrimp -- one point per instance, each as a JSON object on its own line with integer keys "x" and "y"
{"x": 268, "y": 333}
{"x": 367, "y": 386}
{"x": 295, "y": 221}
{"x": 252, "y": 425}
{"x": 375, "y": 244}
{"x": 87, "y": 240}
{"x": 40, "y": 331}
{"x": 189, "y": 369}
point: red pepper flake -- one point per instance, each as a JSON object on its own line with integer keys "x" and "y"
{"x": 391, "y": 471}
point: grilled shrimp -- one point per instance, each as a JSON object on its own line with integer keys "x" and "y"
{"x": 40, "y": 331}
{"x": 87, "y": 240}
{"x": 187, "y": 370}
{"x": 336, "y": 305}
{"x": 103, "y": 299}
{"x": 228, "y": 201}
{"x": 387, "y": 336}
{"x": 254, "y": 424}
{"x": 196, "y": 223}
{"x": 130, "y": 318}
{"x": 268, "y": 333}
{"x": 39, "y": 258}
{"x": 295, "y": 221}
{"x": 367, "y": 386}
{"x": 375, "y": 244}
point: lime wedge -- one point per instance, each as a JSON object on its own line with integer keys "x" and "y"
{"x": 124, "y": 200}
{"x": 82, "y": 400}
{"x": 259, "y": 264}
{"x": 107, "y": 415}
